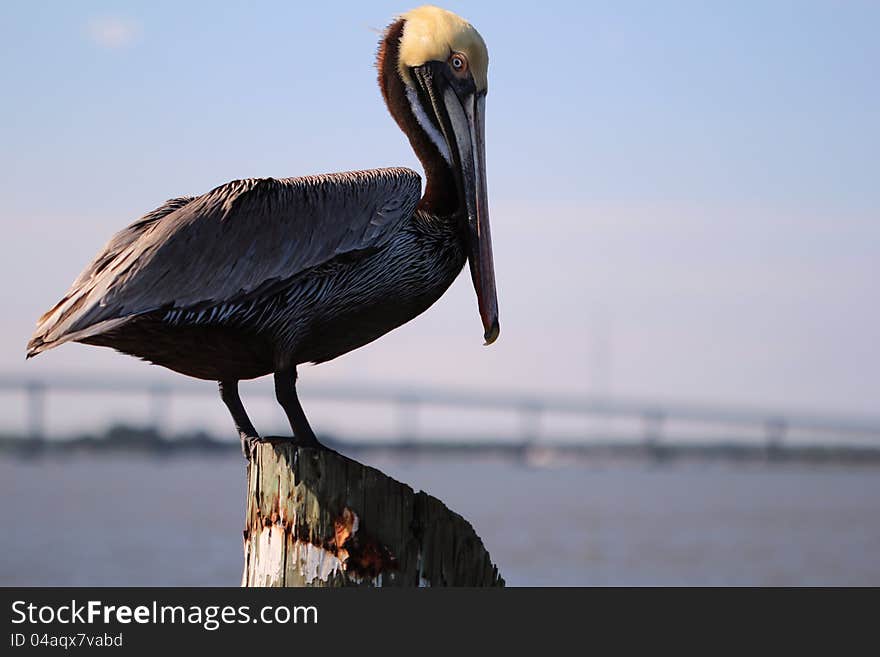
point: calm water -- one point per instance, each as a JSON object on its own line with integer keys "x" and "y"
{"x": 123, "y": 521}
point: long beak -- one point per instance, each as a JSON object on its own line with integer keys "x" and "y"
{"x": 467, "y": 117}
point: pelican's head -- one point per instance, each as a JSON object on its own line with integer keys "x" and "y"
{"x": 431, "y": 34}
{"x": 438, "y": 98}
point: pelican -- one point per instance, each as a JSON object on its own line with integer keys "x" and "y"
{"x": 259, "y": 276}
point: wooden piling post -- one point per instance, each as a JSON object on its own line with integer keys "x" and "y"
{"x": 317, "y": 518}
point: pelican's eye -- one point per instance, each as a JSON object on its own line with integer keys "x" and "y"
{"x": 458, "y": 63}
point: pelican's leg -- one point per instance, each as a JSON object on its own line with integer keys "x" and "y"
{"x": 285, "y": 393}
{"x": 246, "y": 431}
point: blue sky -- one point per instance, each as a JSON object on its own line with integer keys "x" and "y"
{"x": 684, "y": 195}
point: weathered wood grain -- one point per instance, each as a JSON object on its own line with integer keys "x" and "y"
{"x": 317, "y": 518}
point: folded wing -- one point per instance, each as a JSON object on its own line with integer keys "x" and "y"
{"x": 233, "y": 240}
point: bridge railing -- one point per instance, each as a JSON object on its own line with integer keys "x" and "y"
{"x": 653, "y": 417}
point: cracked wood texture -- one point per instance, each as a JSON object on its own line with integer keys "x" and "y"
{"x": 317, "y": 518}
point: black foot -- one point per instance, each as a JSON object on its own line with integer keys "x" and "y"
{"x": 249, "y": 445}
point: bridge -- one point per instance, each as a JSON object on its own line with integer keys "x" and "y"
{"x": 649, "y": 421}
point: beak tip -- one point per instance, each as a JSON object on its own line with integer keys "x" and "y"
{"x": 491, "y": 333}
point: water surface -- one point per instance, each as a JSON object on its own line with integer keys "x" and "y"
{"x": 127, "y": 520}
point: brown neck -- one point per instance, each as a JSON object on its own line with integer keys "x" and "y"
{"x": 440, "y": 197}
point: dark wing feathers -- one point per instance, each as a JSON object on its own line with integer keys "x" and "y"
{"x": 231, "y": 241}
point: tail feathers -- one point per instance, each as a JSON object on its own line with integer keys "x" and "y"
{"x": 52, "y": 323}
{"x": 38, "y": 345}
{"x": 34, "y": 347}
{"x": 41, "y": 341}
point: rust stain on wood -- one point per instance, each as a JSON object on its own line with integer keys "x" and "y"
{"x": 317, "y": 518}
